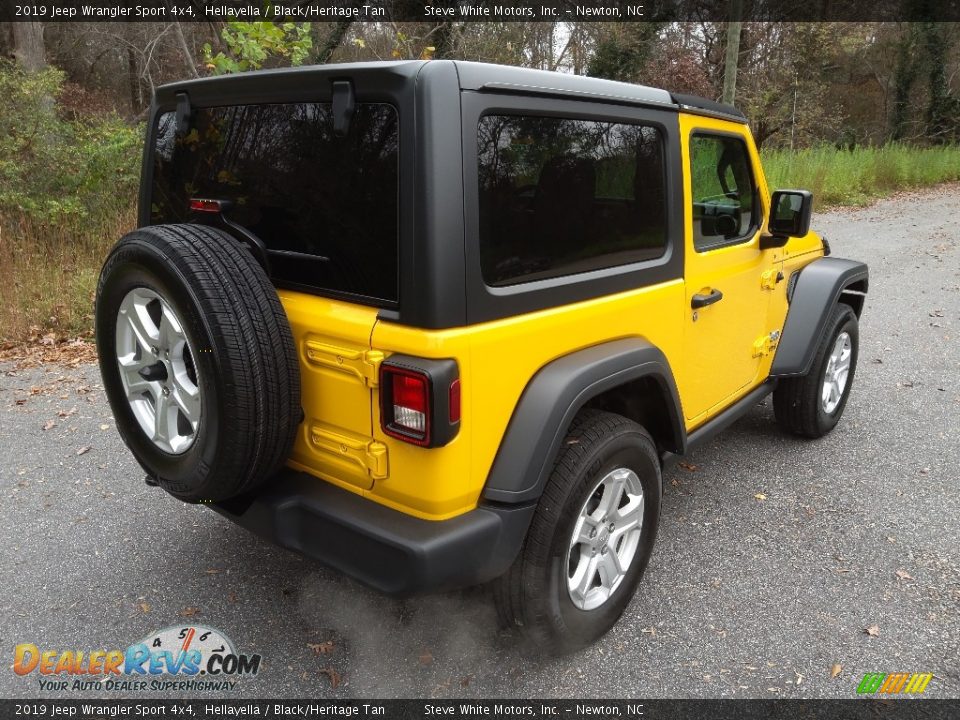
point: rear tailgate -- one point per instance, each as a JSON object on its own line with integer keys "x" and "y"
{"x": 338, "y": 374}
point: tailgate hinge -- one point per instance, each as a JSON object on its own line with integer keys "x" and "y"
{"x": 358, "y": 451}
{"x": 362, "y": 364}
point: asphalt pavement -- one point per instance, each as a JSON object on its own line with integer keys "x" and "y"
{"x": 778, "y": 559}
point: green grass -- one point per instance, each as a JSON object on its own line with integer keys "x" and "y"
{"x": 856, "y": 177}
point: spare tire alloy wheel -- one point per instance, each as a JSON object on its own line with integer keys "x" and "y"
{"x": 198, "y": 361}
{"x": 159, "y": 375}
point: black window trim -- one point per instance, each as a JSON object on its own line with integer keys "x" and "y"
{"x": 485, "y": 302}
{"x": 758, "y": 214}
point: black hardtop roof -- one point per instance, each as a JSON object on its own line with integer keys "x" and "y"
{"x": 473, "y": 76}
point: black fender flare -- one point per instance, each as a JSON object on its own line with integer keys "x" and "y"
{"x": 818, "y": 288}
{"x": 553, "y": 397}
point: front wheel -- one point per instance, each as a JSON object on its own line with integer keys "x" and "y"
{"x": 811, "y": 406}
{"x": 590, "y": 539}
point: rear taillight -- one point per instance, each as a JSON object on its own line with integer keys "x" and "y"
{"x": 411, "y": 394}
{"x": 420, "y": 400}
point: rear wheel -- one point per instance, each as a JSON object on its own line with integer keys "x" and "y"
{"x": 590, "y": 539}
{"x": 812, "y": 405}
{"x": 197, "y": 360}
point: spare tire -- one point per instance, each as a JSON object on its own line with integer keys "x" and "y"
{"x": 198, "y": 361}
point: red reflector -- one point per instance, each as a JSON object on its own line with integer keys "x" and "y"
{"x": 410, "y": 392}
{"x": 200, "y": 205}
{"x": 455, "y": 401}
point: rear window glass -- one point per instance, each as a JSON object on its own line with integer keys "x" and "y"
{"x": 560, "y": 196}
{"x": 324, "y": 205}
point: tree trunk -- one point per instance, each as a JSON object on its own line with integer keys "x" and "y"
{"x": 28, "y": 45}
{"x": 187, "y": 55}
{"x": 133, "y": 79}
{"x": 332, "y": 42}
{"x": 443, "y": 40}
{"x": 904, "y": 75}
{"x": 732, "y": 55}
{"x": 938, "y": 107}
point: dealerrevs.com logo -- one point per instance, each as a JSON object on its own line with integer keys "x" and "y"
{"x": 194, "y": 658}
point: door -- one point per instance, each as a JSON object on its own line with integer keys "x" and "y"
{"x": 726, "y": 302}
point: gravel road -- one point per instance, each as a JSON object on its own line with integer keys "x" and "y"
{"x": 745, "y": 597}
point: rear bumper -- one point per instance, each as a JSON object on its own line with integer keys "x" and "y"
{"x": 389, "y": 550}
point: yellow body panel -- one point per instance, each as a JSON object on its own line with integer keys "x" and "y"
{"x": 497, "y": 360}
{"x": 720, "y": 364}
{"x": 716, "y": 359}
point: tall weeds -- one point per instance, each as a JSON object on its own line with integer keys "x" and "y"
{"x": 855, "y": 177}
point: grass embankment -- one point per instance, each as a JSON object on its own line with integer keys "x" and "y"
{"x": 48, "y": 273}
{"x": 859, "y": 176}
{"x": 68, "y": 186}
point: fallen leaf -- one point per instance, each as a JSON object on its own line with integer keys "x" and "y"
{"x": 675, "y": 482}
{"x": 49, "y": 424}
{"x": 189, "y": 611}
{"x": 835, "y": 670}
{"x": 872, "y": 631}
{"x": 904, "y": 575}
{"x": 20, "y": 401}
{"x": 333, "y": 675}
{"x": 465, "y": 681}
{"x": 760, "y": 496}
{"x": 426, "y": 657}
{"x": 689, "y": 467}
{"x": 66, "y": 413}
{"x": 232, "y": 597}
{"x": 324, "y": 648}
{"x": 84, "y": 450}
{"x": 144, "y": 607}
{"x": 213, "y": 571}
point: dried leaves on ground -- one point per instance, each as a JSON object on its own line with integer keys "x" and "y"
{"x": 48, "y": 350}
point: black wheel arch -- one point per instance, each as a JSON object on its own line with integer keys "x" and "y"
{"x": 630, "y": 376}
{"x": 819, "y": 286}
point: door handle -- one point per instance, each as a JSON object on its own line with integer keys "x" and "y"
{"x": 699, "y": 301}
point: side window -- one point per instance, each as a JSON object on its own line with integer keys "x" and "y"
{"x": 560, "y": 196}
{"x": 723, "y": 191}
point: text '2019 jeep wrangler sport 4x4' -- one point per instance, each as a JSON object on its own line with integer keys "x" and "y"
{"x": 439, "y": 323}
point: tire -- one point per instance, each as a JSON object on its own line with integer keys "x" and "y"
{"x": 799, "y": 403}
{"x": 198, "y": 361}
{"x": 534, "y": 595}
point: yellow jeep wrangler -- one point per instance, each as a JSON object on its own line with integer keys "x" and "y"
{"x": 438, "y": 324}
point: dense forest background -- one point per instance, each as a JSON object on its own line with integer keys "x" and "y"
{"x": 850, "y": 110}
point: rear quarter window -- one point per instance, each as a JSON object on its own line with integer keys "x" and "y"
{"x": 325, "y": 206}
{"x": 560, "y": 196}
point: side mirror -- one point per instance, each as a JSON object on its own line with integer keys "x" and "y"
{"x": 789, "y": 217}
